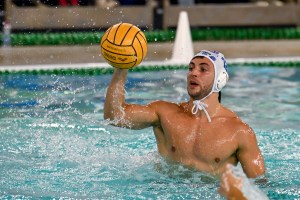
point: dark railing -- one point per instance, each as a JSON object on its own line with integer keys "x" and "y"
{"x": 46, "y": 25}
{"x": 156, "y": 14}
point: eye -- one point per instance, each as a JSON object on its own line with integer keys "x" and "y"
{"x": 203, "y": 69}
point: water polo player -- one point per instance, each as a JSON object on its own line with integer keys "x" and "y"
{"x": 201, "y": 133}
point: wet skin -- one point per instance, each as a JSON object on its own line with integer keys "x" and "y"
{"x": 183, "y": 137}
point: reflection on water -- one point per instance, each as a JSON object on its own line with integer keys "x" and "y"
{"x": 54, "y": 142}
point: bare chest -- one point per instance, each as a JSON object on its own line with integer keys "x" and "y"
{"x": 205, "y": 142}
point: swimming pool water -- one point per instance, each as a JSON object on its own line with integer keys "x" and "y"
{"x": 54, "y": 142}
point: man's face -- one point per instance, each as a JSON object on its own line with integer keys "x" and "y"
{"x": 200, "y": 77}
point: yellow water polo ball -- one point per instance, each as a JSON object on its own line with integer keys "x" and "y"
{"x": 124, "y": 46}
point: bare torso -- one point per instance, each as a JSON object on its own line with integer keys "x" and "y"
{"x": 183, "y": 137}
{"x": 193, "y": 141}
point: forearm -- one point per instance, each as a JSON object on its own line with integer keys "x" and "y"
{"x": 236, "y": 186}
{"x": 235, "y": 194}
{"x": 115, "y": 99}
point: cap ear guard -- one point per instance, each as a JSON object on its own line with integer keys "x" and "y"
{"x": 220, "y": 71}
{"x": 221, "y": 80}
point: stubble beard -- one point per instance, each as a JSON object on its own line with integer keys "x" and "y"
{"x": 200, "y": 94}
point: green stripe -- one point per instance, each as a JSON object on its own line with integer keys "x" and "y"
{"x": 101, "y": 71}
{"x": 200, "y": 34}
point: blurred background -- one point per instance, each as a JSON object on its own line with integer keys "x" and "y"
{"x": 69, "y": 31}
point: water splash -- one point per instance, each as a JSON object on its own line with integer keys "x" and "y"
{"x": 249, "y": 189}
{"x": 62, "y": 146}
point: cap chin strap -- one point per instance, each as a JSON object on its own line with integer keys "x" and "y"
{"x": 199, "y": 105}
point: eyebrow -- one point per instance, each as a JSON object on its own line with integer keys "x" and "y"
{"x": 202, "y": 63}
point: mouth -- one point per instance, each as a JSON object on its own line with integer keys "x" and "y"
{"x": 193, "y": 83}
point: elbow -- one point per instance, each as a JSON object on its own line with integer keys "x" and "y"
{"x": 108, "y": 116}
{"x": 256, "y": 173}
{"x": 110, "y": 113}
{"x": 112, "y": 119}
{"x": 107, "y": 113}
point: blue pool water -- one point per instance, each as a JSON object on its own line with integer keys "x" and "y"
{"x": 54, "y": 142}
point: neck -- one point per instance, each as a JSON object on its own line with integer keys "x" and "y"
{"x": 212, "y": 103}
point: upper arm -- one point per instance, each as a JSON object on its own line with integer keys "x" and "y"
{"x": 249, "y": 154}
{"x": 138, "y": 116}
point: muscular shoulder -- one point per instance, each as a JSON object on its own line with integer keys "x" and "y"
{"x": 237, "y": 126}
{"x": 243, "y": 132}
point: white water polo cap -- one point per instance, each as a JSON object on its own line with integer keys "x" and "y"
{"x": 220, "y": 80}
{"x": 220, "y": 65}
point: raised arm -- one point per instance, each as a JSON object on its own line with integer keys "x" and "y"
{"x": 122, "y": 114}
{"x": 249, "y": 154}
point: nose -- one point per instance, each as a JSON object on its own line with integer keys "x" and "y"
{"x": 193, "y": 72}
